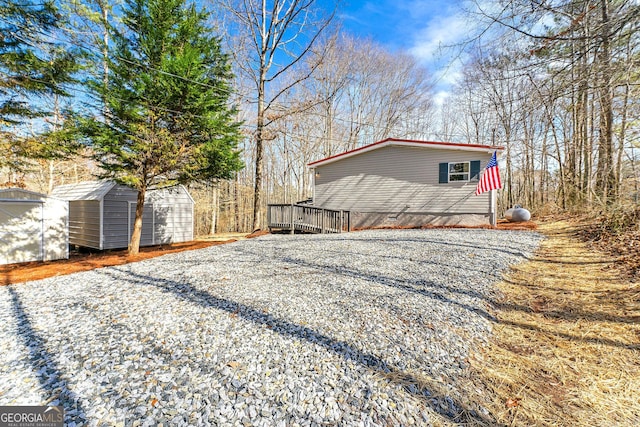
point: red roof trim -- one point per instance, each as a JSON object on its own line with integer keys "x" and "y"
{"x": 412, "y": 141}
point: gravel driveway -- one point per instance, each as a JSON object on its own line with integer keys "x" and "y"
{"x": 280, "y": 330}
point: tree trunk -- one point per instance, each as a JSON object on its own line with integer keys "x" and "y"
{"x": 510, "y": 200}
{"x": 622, "y": 136}
{"x": 104, "y": 11}
{"x": 605, "y": 173}
{"x": 257, "y": 194}
{"x": 134, "y": 244}
{"x": 257, "y": 189}
{"x": 237, "y": 194}
{"x": 544, "y": 162}
{"x": 57, "y": 119}
{"x": 214, "y": 208}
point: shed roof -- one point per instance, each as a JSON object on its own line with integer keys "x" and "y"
{"x": 96, "y": 190}
{"x": 87, "y": 190}
{"x": 21, "y": 194}
{"x": 405, "y": 143}
{"x": 163, "y": 192}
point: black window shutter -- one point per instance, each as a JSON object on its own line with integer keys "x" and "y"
{"x": 475, "y": 169}
{"x": 444, "y": 173}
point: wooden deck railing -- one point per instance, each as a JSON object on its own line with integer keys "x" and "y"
{"x": 308, "y": 219}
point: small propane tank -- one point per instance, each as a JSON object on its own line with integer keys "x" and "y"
{"x": 517, "y": 214}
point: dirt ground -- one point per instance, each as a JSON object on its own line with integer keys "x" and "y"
{"x": 88, "y": 260}
{"x": 83, "y": 261}
{"x": 565, "y": 350}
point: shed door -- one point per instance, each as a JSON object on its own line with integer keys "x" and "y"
{"x": 147, "y": 223}
{"x": 20, "y": 232}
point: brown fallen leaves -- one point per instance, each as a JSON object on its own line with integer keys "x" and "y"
{"x": 512, "y": 402}
{"x": 565, "y": 350}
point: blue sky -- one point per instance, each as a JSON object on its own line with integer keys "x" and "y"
{"x": 419, "y": 27}
{"x": 398, "y": 24}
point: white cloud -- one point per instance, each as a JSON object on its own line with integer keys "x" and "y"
{"x": 444, "y": 80}
{"x": 437, "y": 46}
{"x": 434, "y": 42}
{"x": 440, "y": 97}
{"x": 448, "y": 74}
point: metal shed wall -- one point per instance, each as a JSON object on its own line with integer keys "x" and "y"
{"x": 33, "y": 227}
{"x": 84, "y": 223}
{"x": 56, "y": 229}
{"x": 398, "y": 185}
{"x": 173, "y": 214}
{"x": 116, "y": 225}
{"x": 85, "y": 211}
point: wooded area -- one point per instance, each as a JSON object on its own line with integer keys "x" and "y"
{"x": 554, "y": 82}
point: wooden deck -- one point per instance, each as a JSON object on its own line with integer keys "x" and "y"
{"x": 307, "y": 219}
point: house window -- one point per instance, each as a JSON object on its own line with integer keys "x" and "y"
{"x": 459, "y": 171}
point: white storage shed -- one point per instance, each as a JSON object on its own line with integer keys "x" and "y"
{"x": 102, "y": 213}
{"x": 33, "y": 227}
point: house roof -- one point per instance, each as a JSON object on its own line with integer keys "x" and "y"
{"x": 405, "y": 143}
{"x": 87, "y": 190}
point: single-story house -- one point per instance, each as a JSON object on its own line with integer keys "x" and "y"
{"x": 398, "y": 182}
{"x": 33, "y": 227}
{"x": 102, "y": 213}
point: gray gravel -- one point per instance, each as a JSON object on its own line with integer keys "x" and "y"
{"x": 282, "y": 330}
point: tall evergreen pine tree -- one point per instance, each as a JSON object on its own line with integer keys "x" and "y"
{"x": 167, "y": 116}
{"x": 34, "y": 67}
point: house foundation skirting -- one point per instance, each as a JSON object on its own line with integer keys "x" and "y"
{"x": 361, "y": 220}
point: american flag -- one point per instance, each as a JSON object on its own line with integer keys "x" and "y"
{"x": 490, "y": 179}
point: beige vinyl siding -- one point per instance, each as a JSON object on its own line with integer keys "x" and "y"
{"x": 84, "y": 223}
{"x": 398, "y": 179}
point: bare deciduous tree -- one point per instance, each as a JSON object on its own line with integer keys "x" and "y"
{"x": 275, "y": 36}
{"x": 575, "y": 55}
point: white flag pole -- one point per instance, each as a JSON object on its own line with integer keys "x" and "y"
{"x": 492, "y": 210}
